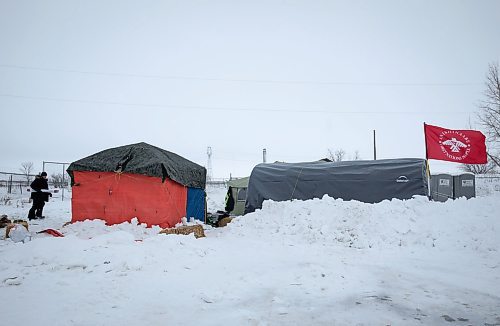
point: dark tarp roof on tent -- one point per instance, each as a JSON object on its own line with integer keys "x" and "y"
{"x": 366, "y": 181}
{"x": 145, "y": 159}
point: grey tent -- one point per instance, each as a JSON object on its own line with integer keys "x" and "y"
{"x": 366, "y": 181}
{"x": 236, "y": 196}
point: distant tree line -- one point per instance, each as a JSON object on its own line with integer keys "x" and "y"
{"x": 338, "y": 155}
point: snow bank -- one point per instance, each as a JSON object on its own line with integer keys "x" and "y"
{"x": 216, "y": 196}
{"x": 319, "y": 262}
{"x": 459, "y": 224}
{"x": 93, "y": 228}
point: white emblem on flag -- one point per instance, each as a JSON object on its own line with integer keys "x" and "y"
{"x": 454, "y": 145}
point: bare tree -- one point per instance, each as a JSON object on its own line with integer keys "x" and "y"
{"x": 57, "y": 180}
{"x": 489, "y": 167}
{"x": 26, "y": 169}
{"x": 337, "y": 155}
{"x": 489, "y": 113}
{"x": 356, "y": 156}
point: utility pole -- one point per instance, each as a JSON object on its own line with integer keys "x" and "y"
{"x": 209, "y": 163}
{"x": 374, "y": 146}
{"x": 264, "y": 154}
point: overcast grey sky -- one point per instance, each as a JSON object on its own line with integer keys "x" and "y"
{"x": 294, "y": 77}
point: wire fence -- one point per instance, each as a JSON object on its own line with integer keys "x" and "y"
{"x": 11, "y": 182}
{"x": 220, "y": 182}
{"x": 487, "y": 184}
{"x": 19, "y": 183}
{"x": 217, "y": 182}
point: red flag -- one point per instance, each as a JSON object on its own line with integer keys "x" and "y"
{"x": 461, "y": 146}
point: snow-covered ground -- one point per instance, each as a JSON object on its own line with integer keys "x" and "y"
{"x": 316, "y": 262}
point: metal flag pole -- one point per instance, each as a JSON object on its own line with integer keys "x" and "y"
{"x": 428, "y": 169}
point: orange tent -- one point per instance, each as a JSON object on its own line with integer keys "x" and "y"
{"x": 140, "y": 181}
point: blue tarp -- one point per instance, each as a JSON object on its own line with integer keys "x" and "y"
{"x": 195, "y": 204}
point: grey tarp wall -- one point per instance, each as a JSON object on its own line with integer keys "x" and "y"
{"x": 366, "y": 181}
{"x": 142, "y": 158}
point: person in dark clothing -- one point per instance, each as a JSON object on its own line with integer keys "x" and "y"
{"x": 39, "y": 196}
{"x": 229, "y": 200}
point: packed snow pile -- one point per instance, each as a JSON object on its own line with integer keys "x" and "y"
{"x": 455, "y": 225}
{"x": 460, "y": 224}
{"x": 216, "y": 198}
{"x": 93, "y": 228}
{"x": 316, "y": 262}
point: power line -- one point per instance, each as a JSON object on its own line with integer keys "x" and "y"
{"x": 212, "y": 108}
{"x": 238, "y": 80}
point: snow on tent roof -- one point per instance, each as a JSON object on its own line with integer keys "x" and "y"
{"x": 366, "y": 181}
{"x": 145, "y": 159}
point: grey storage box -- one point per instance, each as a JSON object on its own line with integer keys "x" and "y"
{"x": 442, "y": 187}
{"x": 464, "y": 185}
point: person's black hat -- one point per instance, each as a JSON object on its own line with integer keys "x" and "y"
{"x": 43, "y": 174}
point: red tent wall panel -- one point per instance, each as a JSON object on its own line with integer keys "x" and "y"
{"x": 117, "y": 198}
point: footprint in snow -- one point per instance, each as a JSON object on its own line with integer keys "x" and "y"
{"x": 12, "y": 281}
